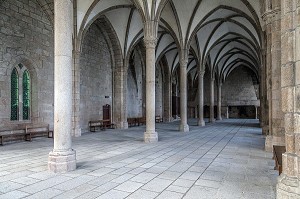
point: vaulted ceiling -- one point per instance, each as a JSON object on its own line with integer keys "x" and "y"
{"x": 220, "y": 34}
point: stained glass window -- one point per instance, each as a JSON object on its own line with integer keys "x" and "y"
{"x": 14, "y": 95}
{"x": 26, "y": 95}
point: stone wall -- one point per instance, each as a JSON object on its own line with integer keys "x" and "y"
{"x": 26, "y": 37}
{"x": 135, "y": 88}
{"x": 95, "y": 77}
{"x": 159, "y": 91}
{"x": 239, "y": 88}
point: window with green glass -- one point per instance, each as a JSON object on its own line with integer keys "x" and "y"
{"x": 14, "y": 95}
{"x": 26, "y": 95}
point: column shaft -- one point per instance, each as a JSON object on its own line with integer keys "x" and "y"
{"x": 289, "y": 181}
{"x": 275, "y": 134}
{"x": 219, "y": 117}
{"x": 212, "y": 101}
{"x": 184, "y": 127}
{"x": 63, "y": 158}
{"x": 150, "y": 43}
{"x": 201, "y": 121}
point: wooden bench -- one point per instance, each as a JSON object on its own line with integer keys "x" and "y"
{"x": 158, "y": 119}
{"x": 107, "y": 124}
{"x": 277, "y": 156}
{"x": 142, "y": 121}
{"x": 102, "y": 124}
{"x": 132, "y": 121}
{"x": 15, "y": 133}
{"x": 136, "y": 121}
{"x": 37, "y": 130}
{"x": 94, "y": 124}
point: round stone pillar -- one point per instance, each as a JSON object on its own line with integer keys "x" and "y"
{"x": 184, "y": 127}
{"x": 227, "y": 112}
{"x": 150, "y": 40}
{"x": 212, "y": 101}
{"x": 219, "y": 116}
{"x": 201, "y": 121}
{"x": 62, "y": 158}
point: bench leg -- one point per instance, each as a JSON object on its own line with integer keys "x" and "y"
{"x": 1, "y": 140}
{"x": 50, "y": 134}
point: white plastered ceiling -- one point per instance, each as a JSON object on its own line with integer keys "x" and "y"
{"x": 213, "y": 30}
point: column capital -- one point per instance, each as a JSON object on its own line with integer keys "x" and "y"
{"x": 201, "y": 73}
{"x": 271, "y": 15}
{"x": 184, "y": 57}
{"x": 183, "y": 62}
{"x": 150, "y": 42}
{"x": 150, "y": 34}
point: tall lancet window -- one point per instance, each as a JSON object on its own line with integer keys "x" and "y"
{"x": 14, "y": 95}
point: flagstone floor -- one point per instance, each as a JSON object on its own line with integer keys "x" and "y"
{"x": 221, "y": 160}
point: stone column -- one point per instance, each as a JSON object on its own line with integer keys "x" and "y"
{"x": 184, "y": 127}
{"x": 167, "y": 99}
{"x": 219, "y": 115}
{"x": 201, "y": 121}
{"x": 256, "y": 112}
{"x": 63, "y": 157}
{"x": 120, "y": 89}
{"x": 275, "y": 135}
{"x": 227, "y": 112}
{"x": 150, "y": 40}
{"x": 212, "y": 100}
{"x": 76, "y": 95}
{"x": 289, "y": 181}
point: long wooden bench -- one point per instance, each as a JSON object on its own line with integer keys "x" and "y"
{"x": 94, "y": 124}
{"x": 277, "y": 156}
{"x": 136, "y": 121}
{"x": 132, "y": 121}
{"x": 108, "y": 124}
{"x": 37, "y": 130}
{"x": 102, "y": 124}
{"x": 158, "y": 119}
{"x": 12, "y": 133}
{"x": 142, "y": 121}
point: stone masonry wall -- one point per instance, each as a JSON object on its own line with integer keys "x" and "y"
{"x": 26, "y": 36}
{"x": 159, "y": 92}
{"x": 95, "y": 77}
{"x": 135, "y": 89}
{"x": 238, "y": 89}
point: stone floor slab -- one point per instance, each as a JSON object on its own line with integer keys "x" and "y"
{"x": 221, "y": 160}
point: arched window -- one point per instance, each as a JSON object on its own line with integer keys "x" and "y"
{"x": 26, "y": 95}
{"x": 14, "y": 95}
{"x": 20, "y": 76}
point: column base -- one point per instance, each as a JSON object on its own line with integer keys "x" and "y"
{"x": 212, "y": 120}
{"x": 184, "y": 128}
{"x": 122, "y": 125}
{"x": 265, "y": 130}
{"x": 201, "y": 123}
{"x": 287, "y": 187}
{"x": 219, "y": 118}
{"x": 76, "y": 132}
{"x": 150, "y": 137}
{"x": 62, "y": 161}
{"x": 273, "y": 140}
{"x": 168, "y": 119}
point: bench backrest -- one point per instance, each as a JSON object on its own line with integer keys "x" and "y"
{"x": 11, "y": 132}
{"x": 37, "y": 128}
